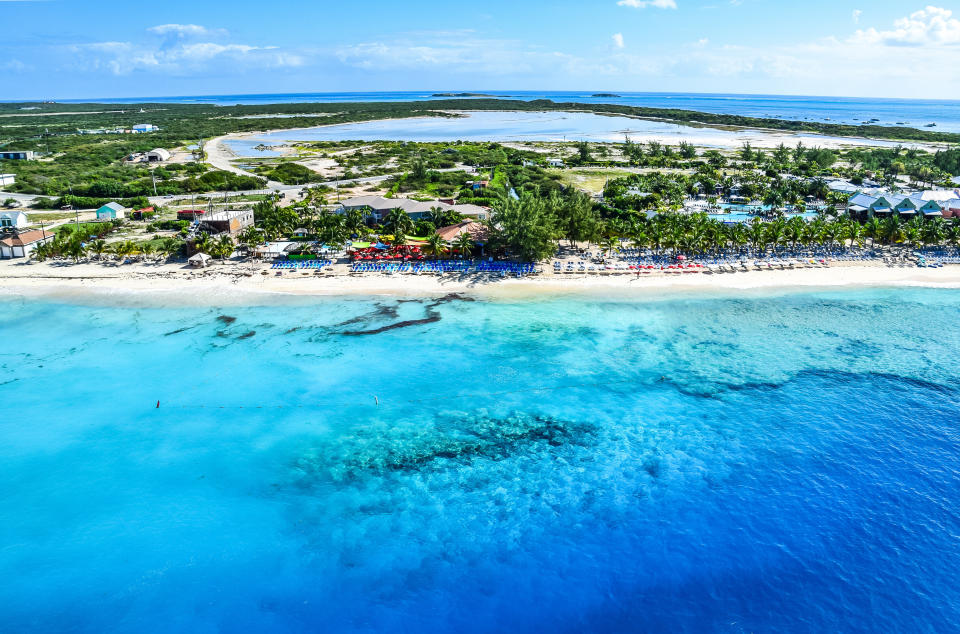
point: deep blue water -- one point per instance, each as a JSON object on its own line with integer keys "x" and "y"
{"x": 852, "y": 110}
{"x": 697, "y": 464}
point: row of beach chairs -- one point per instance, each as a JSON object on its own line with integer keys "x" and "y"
{"x": 301, "y": 264}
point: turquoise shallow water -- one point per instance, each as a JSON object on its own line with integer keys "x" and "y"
{"x": 783, "y": 463}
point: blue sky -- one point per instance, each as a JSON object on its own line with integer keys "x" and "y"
{"x": 63, "y": 49}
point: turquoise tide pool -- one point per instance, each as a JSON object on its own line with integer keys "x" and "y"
{"x": 781, "y": 463}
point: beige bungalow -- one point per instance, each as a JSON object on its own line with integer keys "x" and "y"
{"x": 21, "y": 245}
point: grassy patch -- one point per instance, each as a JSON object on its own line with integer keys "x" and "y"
{"x": 590, "y": 181}
{"x": 50, "y": 217}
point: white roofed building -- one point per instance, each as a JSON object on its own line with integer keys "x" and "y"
{"x": 13, "y": 220}
{"x": 158, "y": 155}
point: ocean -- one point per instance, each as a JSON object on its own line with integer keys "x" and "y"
{"x": 687, "y": 463}
{"x": 916, "y": 113}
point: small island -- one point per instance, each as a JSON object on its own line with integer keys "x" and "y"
{"x": 608, "y": 95}
{"x": 461, "y": 94}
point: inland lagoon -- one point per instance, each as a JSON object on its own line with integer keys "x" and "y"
{"x": 483, "y": 126}
{"x": 776, "y": 462}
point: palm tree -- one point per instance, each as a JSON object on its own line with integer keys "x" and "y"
{"x": 892, "y": 231}
{"x": 203, "y": 244}
{"x": 874, "y": 230}
{"x": 125, "y": 249}
{"x": 855, "y": 233}
{"x": 464, "y": 244}
{"x": 913, "y": 231}
{"x": 250, "y": 237}
{"x": 97, "y": 247}
{"x": 354, "y": 223}
{"x": 758, "y": 233}
{"x": 793, "y": 231}
{"x": 224, "y": 247}
{"x": 934, "y": 231}
{"x": 437, "y": 245}
{"x": 42, "y": 252}
{"x": 953, "y": 232}
{"x": 398, "y": 221}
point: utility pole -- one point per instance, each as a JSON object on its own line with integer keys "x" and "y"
{"x": 76, "y": 212}
{"x": 154, "y": 177}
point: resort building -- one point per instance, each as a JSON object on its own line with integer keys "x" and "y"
{"x": 378, "y": 207}
{"x": 7, "y": 179}
{"x": 476, "y": 231}
{"x": 227, "y": 221}
{"x": 143, "y": 214}
{"x": 18, "y": 156}
{"x": 273, "y": 250}
{"x": 142, "y": 128}
{"x": 22, "y": 245}
{"x": 13, "y": 220}
{"x": 865, "y": 206}
{"x": 111, "y": 211}
{"x": 190, "y": 215}
{"x": 939, "y": 195}
{"x": 843, "y": 187}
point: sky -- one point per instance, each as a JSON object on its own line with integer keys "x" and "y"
{"x": 72, "y": 49}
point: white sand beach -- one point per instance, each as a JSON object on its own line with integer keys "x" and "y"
{"x": 242, "y": 283}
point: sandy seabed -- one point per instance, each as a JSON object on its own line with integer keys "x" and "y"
{"x": 247, "y": 284}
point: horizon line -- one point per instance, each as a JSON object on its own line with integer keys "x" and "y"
{"x": 506, "y": 94}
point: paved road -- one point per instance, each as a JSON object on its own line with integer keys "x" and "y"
{"x": 26, "y": 199}
{"x": 161, "y": 200}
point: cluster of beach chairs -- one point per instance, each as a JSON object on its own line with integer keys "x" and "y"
{"x": 302, "y": 264}
{"x": 648, "y": 266}
{"x": 622, "y": 268}
{"x": 439, "y": 267}
{"x": 507, "y": 268}
{"x": 933, "y": 258}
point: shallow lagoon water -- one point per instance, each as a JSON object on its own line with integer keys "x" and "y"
{"x": 766, "y": 463}
{"x": 528, "y": 126}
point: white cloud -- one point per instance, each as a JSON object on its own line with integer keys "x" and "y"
{"x": 932, "y": 26}
{"x": 618, "y": 40}
{"x": 452, "y": 50}
{"x": 643, "y": 4}
{"x": 857, "y": 13}
{"x": 179, "y": 54}
{"x": 14, "y": 65}
{"x": 181, "y": 30}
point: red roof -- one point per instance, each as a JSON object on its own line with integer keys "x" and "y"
{"x": 25, "y": 238}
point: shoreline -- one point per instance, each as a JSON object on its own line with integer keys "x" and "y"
{"x": 233, "y": 284}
